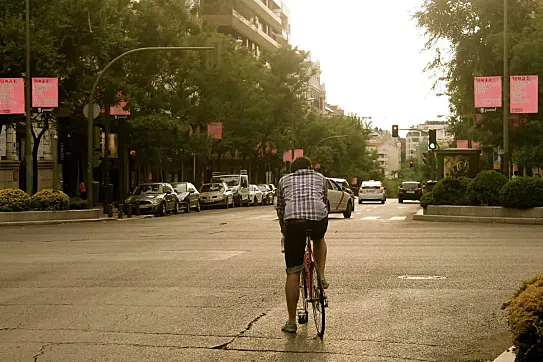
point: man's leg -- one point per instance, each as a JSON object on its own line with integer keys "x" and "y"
{"x": 320, "y": 251}
{"x": 292, "y": 292}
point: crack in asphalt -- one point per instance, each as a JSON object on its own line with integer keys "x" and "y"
{"x": 41, "y": 352}
{"x": 224, "y": 346}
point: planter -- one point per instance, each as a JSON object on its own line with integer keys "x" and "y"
{"x": 481, "y": 214}
{"x": 25, "y": 216}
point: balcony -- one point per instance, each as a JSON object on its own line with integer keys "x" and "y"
{"x": 262, "y": 11}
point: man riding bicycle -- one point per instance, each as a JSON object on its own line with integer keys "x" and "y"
{"x": 301, "y": 205}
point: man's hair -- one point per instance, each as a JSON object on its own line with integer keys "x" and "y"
{"x": 301, "y": 163}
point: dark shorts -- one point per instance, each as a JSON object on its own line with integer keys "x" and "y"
{"x": 295, "y": 241}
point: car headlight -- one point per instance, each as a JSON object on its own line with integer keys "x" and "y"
{"x": 235, "y": 191}
{"x": 156, "y": 200}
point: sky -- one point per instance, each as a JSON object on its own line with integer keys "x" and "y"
{"x": 371, "y": 58}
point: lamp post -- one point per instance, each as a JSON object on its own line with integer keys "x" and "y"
{"x": 506, "y": 152}
{"x": 28, "y": 105}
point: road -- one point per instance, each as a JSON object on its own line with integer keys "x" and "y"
{"x": 209, "y": 287}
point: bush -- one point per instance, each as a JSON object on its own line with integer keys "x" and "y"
{"x": 50, "y": 200}
{"x": 485, "y": 188}
{"x": 525, "y": 319}
{"x": 427, "y": 199}
{"x": 77, "y": 203}
{"x": 451, "y": 191}
{"x": 522, "y": 193}
{"x": 14, "y": 200}
{"x": 393, "y": 187}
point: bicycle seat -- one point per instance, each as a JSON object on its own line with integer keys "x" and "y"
{"x": 308, "y": 232}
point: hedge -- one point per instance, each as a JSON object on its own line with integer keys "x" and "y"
{"x": 50, "y": 200}
{"x": 77, "y": 203}
{"x": 451, "y": 191}
{"x": 427, "y": 199}
{"x": 14, "y": 200}
{"x": 522, "y": 193}
{"x": 485, "y": 188}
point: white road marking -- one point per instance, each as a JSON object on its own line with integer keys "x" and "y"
{"x": 370, "y": 218}
{"x": 398, "y": 218}
{"x": 368, "y": 210}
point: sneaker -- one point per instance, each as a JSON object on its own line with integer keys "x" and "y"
{"x": 325, "y": 284}
{"x": 290, "y": 327}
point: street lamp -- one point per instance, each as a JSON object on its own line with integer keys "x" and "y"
{"x": 28, "y": 105}
{"x": 505, "y": 90}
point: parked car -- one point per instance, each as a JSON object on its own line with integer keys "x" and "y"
{"x": 410, "y": 190}
{"x": 372, "y": 191}
{"x": 238, "y": 184}
{"x": 216, "y": 194}
{"x": 273, "y": 188}
{"x": 188, "y": 196}
{"x": 339, "y": 201}
{"x": 267, "y": 194}
{"x": 157, "y": 198}
{"x": 255, "y": 195}
{"x": 344, "y": 184}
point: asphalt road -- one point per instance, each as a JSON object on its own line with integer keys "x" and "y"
{"x": 209, "y": 287}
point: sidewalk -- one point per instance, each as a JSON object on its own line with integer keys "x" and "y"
{"x": 507, "y": 356}
{"x": 103, "y": 218}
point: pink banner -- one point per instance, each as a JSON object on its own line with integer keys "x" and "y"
{"x": 317, "y": 166}
{"x": 287, "y": 156}
{"x": 524, "y": 94}
{"x": 45, "y": 92}
{"x": 214, "y": 130}
{"x": 355, "y": 181}
{"x": 298, "y": 153}
{"x": 12, "y": 96}
{"x": 119, "y": 109}
{"x": 462, "y": 143}
{"x": 476, "y": 145}
{"x": 488, "y": 92}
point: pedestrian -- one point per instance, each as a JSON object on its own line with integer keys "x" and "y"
{"x": 302, "y": 199}
{"x": 83, "y": 190}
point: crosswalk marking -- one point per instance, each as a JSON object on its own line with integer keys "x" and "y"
{"x": 398, "y": 218}
{"x": 365, "y": 218}
{"x": 372, "y": 218}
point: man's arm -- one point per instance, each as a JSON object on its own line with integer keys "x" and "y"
{"x": 281, "y": 206}
{"x": 325, "y": 186}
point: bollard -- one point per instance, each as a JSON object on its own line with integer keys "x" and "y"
{"x": 129, "y": 211}
{"x": 120, "y": 211}
{"x": 109, "y": 210}
{"x": 138, "y": 212}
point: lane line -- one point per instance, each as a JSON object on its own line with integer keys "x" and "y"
{"x": 398, "y": 218}
{"x": 370, "y": 218}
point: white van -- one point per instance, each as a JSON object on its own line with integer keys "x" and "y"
{"x": 238, "y": 184}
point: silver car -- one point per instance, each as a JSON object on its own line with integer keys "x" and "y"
{"x": 216, "y": 194}
{"x": 372, "y": 191}
{"x": 156, "y": 198}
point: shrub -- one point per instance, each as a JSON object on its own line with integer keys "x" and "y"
{"x": 525, "y": 319}
{"x": 50, "y": 200}
{"x": 14, "y": 200}
{"x": 451, "y": 191}
{"x": 77, "y": 203}
{"x": 522, "y": 193}
{"x": 393, "y": 187}
{"x": 427, "y": 199}
{"x": 485, "y": 188}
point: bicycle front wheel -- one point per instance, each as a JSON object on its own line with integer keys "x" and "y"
{"x": 317, "y": 298}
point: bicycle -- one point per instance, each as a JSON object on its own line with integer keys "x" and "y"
{"x": 312, "y": 291}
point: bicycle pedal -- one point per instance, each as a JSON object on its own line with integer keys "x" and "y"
{"x": 326, "y": 303}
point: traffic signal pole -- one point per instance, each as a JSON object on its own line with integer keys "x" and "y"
{"x": 432, "y": 141}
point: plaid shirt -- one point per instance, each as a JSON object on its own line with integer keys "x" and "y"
{"x": 302, "y": 195}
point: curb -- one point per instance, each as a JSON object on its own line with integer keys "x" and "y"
{"x": 76, "y": 221}
{"x": 477, "y": 219}
{"x": 507, "y": 356}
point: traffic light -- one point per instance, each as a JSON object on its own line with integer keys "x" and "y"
{"x": 432, "y": 141}
{"x": 395, "y": 130}
{"x": 411, "y": 164}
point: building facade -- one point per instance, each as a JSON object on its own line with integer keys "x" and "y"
{"x": 262, "y": 25}
{"x": 316, "y": 91}
{"x": 388, "y": 149}
{"x": 417, "y": 141}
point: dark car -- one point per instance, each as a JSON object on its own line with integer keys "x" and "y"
{"x": 188, "y": 196}
{"x": 267, "y": 194}
{"x": 156, "y": 198}
{"x": 410, "y": 190}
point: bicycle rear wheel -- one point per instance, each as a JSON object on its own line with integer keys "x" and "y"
{"x": 317, "y": 298}
{"x": 302, "y": 310}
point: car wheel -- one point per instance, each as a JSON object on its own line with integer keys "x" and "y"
{"x": 359, "y": 202}
{"x": 256, "y": 201}
{"x": 328, "y": 207}
{"x": 226, "y": 204}
{"x": 198, "y": 207}
{"x": 400, "y": 201}
{"x": 348, "y": 212}
{"x": 383, "y": 201}
{"x": 162, "y": 211}
{"x": 176, "y": 208}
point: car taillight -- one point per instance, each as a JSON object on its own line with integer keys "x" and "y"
{"x": 382, "y": 189}
{"x": 361, "y": 189}
{"x": 401, "y": 190}
{"x": 419, "y": 190}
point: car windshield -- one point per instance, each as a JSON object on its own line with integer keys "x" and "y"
{"x": 180, "y": 188}
{"x": 147, "y": 189}
{"x": 262, "y": 188}
{"x": 212, "y": 188}
{"x": 229, "y": 180}
{"x": 411, "y": 185}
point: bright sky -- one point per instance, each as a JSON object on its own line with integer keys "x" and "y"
{"x": 371, "y": 58}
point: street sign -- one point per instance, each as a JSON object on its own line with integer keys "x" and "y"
{"x": 95, "y": 113}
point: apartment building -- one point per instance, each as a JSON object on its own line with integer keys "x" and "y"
{"x": 417, "y": 141}
{"x": 263, "y": 25}
{"x": 389, "y": 151}
{"x": 316, "y": 91}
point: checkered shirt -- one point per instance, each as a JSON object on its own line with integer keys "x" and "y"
{"x": 302, "y": 195}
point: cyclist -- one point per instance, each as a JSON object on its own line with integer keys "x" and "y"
{"x": 301, "y": 205}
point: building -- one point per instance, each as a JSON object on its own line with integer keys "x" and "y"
{"x": 417, "y": 141}
{"x": 331, "y": 110}
{"x": 262, "y": 25}
{"x": 316, "y": 91}
{"x": 13, "y": 171}
{"x": 388, "y": 149}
